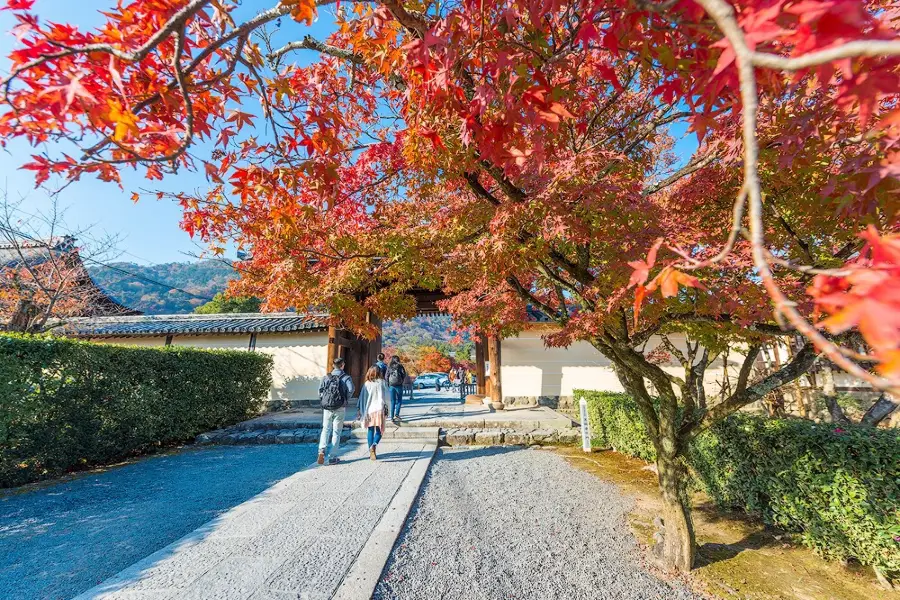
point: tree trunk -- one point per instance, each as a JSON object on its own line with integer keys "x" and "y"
{"x": 829, "y": 394}
{"x": 23, "y": 317}
{"x": 879, "y": 411}
{"x": 676, "y": 542}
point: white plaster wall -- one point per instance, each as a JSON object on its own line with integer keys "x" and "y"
{"x": 133, "y": 341}
{"x": 299, "y": 363}
{"x": 529, "y": 368}
{"x": 214, "y": 342}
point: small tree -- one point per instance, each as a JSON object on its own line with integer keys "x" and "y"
{"x": 229, "y": 304}
{"x": 43, "y": 280}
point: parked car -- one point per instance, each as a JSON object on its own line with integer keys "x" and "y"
{"x": 431, "y": 380}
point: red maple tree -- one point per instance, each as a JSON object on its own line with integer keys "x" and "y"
{"x": 519, "y": 153}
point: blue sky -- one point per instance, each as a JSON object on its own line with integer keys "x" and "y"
{"x": 148, "y": 230}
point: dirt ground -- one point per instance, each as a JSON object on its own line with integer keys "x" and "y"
{"x": 737, "y": 557}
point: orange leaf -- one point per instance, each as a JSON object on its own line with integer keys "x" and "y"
{"x": 124, "y": 119}
{"x": 639, "y": 295}
{"x": 302, "y": 10}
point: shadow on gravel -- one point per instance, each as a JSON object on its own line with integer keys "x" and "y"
{"x": 59, "y": 540}
{"x": 466, "y": 453}
{"x": 387, "y": 456}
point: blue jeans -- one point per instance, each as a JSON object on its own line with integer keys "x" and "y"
{"x": 373, "y": 435}
{"x": 332, "y": 427}
{"x": 396, "y": 400}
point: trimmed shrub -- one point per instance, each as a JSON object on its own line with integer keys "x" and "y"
{"x": 67, "y": 404}
{"x": 837, "y": 488}
{"x": 616, "y": 423}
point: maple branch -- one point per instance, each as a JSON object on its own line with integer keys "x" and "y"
{"x": 509, "y": 188}
{"x": 529, "y": 297}
{"x": 746, "y": 366}
{"x": 268, "y": 111}
{"x": 310, "y": 43}
{"x": 414, "y": 22}
{"x": 801, "y": 243}
{"x": 855, "y": 49}
{"x": 480, "y": 190}
{"x": 723, "y": 15}
{"x": 175, "y": 22}
{"x": 693, "y": 165}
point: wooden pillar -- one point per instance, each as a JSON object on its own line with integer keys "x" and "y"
{"x": 494, "y": 358}
{"x": 333, "y": 350}
{"x": 375, "y": 344}
{"x": 479, "y": 366}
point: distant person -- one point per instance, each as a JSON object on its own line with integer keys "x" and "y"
{"x": 334, "y": 391}
{"x": 373, "y": 408}
{"x": 382, "y": 366}
{"x": 396, "y": 376}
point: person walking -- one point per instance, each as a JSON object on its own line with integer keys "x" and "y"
{"x": 382, "y": 366}
{"x": 396, "y": 375}
{"x": 372, "y": 408}
{"x": 334, "y": 391}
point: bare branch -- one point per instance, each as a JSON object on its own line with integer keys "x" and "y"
{"x": 856, "y": 49}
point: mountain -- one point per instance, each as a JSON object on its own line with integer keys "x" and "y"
{"x": 420, "y": 331}
{"x": 146, "y": 287}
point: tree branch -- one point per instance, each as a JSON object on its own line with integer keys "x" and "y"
{"x": 801, "y": 363}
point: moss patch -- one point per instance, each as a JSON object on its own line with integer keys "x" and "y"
{"x": 737, "y": 557}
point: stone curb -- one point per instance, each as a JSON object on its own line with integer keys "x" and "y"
{"x": 363, "y": 576}
{"x": 509, "y": 437}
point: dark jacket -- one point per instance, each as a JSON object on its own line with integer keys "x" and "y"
{"x": 345, "y": 379}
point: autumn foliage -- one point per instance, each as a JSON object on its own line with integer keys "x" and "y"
{"x": 516, "y": 154}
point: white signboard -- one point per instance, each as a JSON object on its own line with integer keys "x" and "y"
{"x": 585, "y": 427}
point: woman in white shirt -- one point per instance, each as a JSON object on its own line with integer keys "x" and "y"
{"x": 372, "y": 408}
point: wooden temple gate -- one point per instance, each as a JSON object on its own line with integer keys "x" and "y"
{"x": 360, "y": 353}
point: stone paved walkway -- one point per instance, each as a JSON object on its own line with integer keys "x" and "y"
{"x": 323, "y": 532}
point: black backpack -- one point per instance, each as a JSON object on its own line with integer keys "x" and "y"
{"x": 396, "y": 374}
{"x": 334, "y": 393}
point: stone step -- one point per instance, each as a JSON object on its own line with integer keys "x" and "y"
{"x": 392, "y": 432}
{"x": 497, "y": 422}
{"x": 446, "y": 436}
{"x": 306, "y": 435}
{"x": 566, "y": 436}
{"x": 301, "y": 435}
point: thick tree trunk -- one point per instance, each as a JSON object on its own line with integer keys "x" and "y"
{"x": 676, "y": 542}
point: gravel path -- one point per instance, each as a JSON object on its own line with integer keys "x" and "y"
{"x": 58, "y": 541}
{"x": 508, "y": 523}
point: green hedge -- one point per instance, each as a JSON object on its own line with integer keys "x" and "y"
{"x": 837, "y": 488}
{"x": 66, "y": 404}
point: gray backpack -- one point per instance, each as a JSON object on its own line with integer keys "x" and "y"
{"x": 396, "y": 375}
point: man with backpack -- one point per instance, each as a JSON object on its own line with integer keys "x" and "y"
{"x": 396, "y": 376}
{"x": 380, "y": 365}
{"x": 334, "y": 391}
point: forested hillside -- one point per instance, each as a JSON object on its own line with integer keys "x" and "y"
{"x": 420, "y": 331}
{"x": 133, "y": 285}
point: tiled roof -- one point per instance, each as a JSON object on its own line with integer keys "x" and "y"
{"x": 533, "y": 315}
{"x": 33, "y": 252}
{"x": 150, "y": 325}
